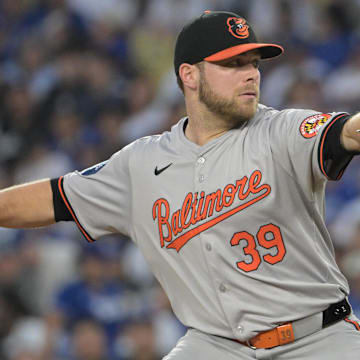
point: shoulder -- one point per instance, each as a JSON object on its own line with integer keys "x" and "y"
{"x": 159, "y": 142}
{"x": 271, "y": 114}
{"x": 145, "y": 145}
{"x": 289, "y": 119}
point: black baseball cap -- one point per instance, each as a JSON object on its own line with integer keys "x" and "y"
{"x": 218, "y": 35}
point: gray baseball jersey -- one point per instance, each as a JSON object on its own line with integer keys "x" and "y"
{"x": 233, "y": 230}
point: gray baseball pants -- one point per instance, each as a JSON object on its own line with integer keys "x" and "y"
{"x": 340, "y": 341}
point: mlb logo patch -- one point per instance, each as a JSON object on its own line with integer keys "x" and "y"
{"x": 311, "y": 125}
{"x": 94, "y": 169}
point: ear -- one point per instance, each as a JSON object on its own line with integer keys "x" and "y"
{"x": 189, "y": 75}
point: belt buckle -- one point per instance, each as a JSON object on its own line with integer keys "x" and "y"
{"x": 281, "y": 335}
{"x": 248, "y": 343}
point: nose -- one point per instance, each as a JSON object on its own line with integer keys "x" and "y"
{"x": 251, "y": 73}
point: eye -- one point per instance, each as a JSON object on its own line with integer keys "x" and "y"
{"x": 238, "y": 62}
{"x": 232, "y": 63}
{"x": 235, "y": 63}
{"x": 256, "y": 63}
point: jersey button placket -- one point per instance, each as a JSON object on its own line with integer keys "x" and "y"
{"x": 199, "y": 179}
{"x": 239, "y": 329}
{"x": 200, "y": 160}
{"x": 239, "y": 332}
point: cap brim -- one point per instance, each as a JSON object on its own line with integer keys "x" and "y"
{"x": 266, "y": 51}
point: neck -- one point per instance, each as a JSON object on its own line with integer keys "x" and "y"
{"x": 203, "y": 126}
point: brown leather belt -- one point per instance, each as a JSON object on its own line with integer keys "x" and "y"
{"x": 289, "y": 332}
{"x": 281, "y": 335}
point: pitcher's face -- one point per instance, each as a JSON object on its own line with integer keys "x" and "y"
{"x": 230, "y": 88}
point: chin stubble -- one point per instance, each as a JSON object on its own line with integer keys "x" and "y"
{"x": 228, "y": 110}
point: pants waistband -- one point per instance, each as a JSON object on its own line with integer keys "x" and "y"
{"x": 289, "y": 332}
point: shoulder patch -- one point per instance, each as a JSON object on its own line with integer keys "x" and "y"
{"x": 311, "y": 125}
{"x": 93, "y": 169}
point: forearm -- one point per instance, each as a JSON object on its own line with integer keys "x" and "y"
{"x": 350, "y": 135}
{"x": 28, "y": 205}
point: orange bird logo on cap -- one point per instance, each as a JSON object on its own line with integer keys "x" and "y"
{"x": 237, "y": 27}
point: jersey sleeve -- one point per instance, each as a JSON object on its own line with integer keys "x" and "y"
{"x": 333, "y": 157}
{"x": 297, "y": 141}
{"x": 99, "y": 198}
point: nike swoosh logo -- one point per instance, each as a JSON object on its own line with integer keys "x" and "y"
{"x": 157, "y": 172}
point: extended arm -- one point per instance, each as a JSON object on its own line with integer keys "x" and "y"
{"x": 28, "y": 205}
{"x": 350, "y": 137}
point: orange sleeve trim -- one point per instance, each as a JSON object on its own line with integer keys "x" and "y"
{"x": 355, "y": 323}
{"x": 322, "y": 146}
{"x": 62, "y": 193}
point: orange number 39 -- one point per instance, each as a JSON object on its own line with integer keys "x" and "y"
{"x": 269, "y": 237}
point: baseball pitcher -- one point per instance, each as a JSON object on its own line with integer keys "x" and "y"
{"x": 227, "y": 207}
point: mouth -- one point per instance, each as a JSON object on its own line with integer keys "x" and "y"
{"x": 249, "y": 94}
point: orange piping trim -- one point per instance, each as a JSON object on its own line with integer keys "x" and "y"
{"x": 355, "y": 323}
{"x": 88, "y": 238}
{"x": 322, "y": 146}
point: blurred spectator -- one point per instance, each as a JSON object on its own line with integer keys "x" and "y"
{"x": 345, "y": 226}
{"x": 68, "y": 93}
{"x": 341, "y": 87}
{"x": 349, "y": 262}
{"x": 109, "y": 36}
{"x": 155, "y": 333}
{"x": 18, "y": 125}
{"x": 38, "y": 162}
{"x": 12, "y": 312}
{"x": 101, "y": 294}
{"x": 62, "y": 28}
{"x": 149, "y": 44}
{"x": 138, "y": 342}
{"x": 124, "y": 11}
{"x": 27, "y": 340}
{"x": 282, "y": 79}
{"x": 109, "y": 123}
{"x": 305, "y": 94}
{"x": 164, "y": 322}
{"x": 170, "y": 14}
{"x": 88, "y": 341}
{"x": 332, "y": 39}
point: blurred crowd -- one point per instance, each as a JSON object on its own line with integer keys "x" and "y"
{"x": 79, "y": 79}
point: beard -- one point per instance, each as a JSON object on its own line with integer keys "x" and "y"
{"x": 233, "y": 113}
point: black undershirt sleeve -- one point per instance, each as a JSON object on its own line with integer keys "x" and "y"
{"x": 333, "y": 158}
{"x": 62, "y": 213}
